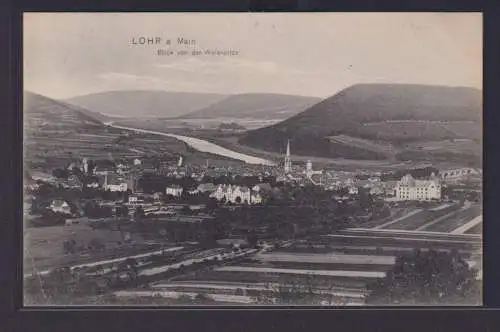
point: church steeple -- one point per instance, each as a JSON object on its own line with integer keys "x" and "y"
{"x": 288, "y": 162}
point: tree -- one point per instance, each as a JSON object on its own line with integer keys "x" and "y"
{"x": 305, "y": 290}
{"x": 344, "y": 191}
{"x": 122, "y": 211}
{"x": 212, "y": 205}
{"x": 69, "y": 246}
{"x": 186, "y": 210}
{"x": 139, "y": 213}
{"x": 60, "y": 173}
{"x": 201, "y": 298}
{"x": 252, "y": 240}
{"x": 424, "y": 278}
{"x": 365, "y": 198}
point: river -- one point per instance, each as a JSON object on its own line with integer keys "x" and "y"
{"x": 203, "y": 146}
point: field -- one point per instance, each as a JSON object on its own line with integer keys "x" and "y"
{"x": 454, "y": 221}
{"x": 44, "y": 245}
{"x": 465, "y": 145}
{"x": 419, "y": 219}
{"x": 416, "y": 130}
{"x": 379, "y": 147}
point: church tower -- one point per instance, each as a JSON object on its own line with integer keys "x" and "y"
{"x": 288, "y": 162}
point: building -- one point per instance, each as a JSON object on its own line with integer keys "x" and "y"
{"x": 353, "y": 190}
{"x": 410, "y": 189}
{"x": 237, "y": 194}
{"x": 115, "y": 184}
{"x": 309, "y": 166}
{"x": 137, "y": 162}
{"x": 60, "y": 206}
{"x": 457, "y": 174}
{"x": 103, "y": 168}
{"x": 73, "y": 182}
{"x": 377, "y": 190}
{"x": 174, "y": 190}
{"x": 206, "y": 187}
{"x": 122, "y": 187}
{"x": 135, "y": 200}
{"x": 85, "y": 166}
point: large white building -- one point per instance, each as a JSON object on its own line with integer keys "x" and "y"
{"x": 237, "y": 194}
{"x": 174, "y": 190}
{"x": 410, "y": 189}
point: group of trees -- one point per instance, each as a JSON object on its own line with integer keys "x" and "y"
{"x": 299, "y": 290}
{"x": 418, "y": 278}
{"x": 296, "y": 212}
{"x": 458, "y": 193}
{"x": 428, "y": 278}
{"x": 94, "y": 210}
{"x": 71, "y": 246}
{"x": 152, "y": 183}
{"x": 65, "y": 285}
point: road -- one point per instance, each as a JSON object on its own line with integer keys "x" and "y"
{"x": 202, "y": 146}
{"x": 464, "y": 228}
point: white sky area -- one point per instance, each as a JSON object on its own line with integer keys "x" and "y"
{"x": 310, "y": 54}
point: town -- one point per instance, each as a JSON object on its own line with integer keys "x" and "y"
{"x": 249, "y": 164}
{"x": 152, "y": 229}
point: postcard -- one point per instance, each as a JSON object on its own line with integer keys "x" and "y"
{"x": 252, "y": 159}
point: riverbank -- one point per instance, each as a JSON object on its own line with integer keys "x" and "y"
{"x": 226, "y": 144}
{"x": 202, "y": 146}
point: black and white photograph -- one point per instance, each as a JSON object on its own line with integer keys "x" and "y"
{"x": 252, "y": 159}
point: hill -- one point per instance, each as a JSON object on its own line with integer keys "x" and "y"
{"x": 255, "y": 105}
{"x": 142, "y": 103}
{"x": 56, "y": 133}
{"x": 42, "y": 113}
{"x": 95, "y": 115}
{"x": 380, "y": 121}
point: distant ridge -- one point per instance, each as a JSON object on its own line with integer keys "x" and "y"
{"x": 144, "y": 103}
{"x": 255, "y": 105}
{"x": 346, "y": 124}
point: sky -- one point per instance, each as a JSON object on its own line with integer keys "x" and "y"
{"x": 309, "y": 54}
